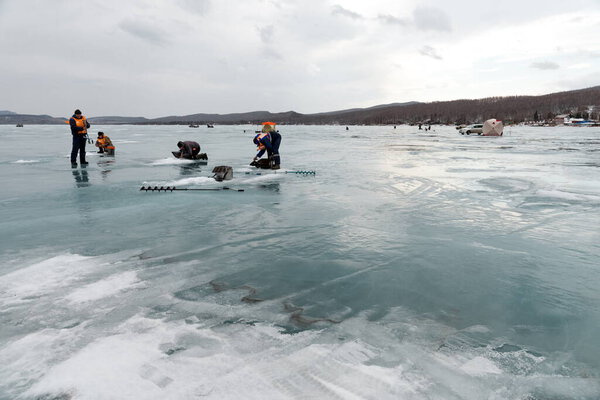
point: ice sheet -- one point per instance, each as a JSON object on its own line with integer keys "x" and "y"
{"x": 410, "y": 266}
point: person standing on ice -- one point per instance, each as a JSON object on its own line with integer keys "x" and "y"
{"x": 79, "y": 126}
{"x": 268, "y": 140}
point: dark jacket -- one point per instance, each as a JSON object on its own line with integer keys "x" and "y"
{"x": 190, "y": 148}
{"x": 271, "y": 142}
{"x": 74, "y": 128}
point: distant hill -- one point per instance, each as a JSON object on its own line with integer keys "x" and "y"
{"x": 352, "y": 110}
{"x": 29, "y": 119}
{"x": 6, "y": 112}
{"x": 237, "y": 118}
{"x": 253, "y": 117}
{"x": 114, "y": 120}
{"x": 510, "y": 109}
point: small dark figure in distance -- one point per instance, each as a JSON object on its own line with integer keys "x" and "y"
{"x": 79, "y": 126}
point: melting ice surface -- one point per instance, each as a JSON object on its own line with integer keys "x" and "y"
{"x": 413, "y": 265}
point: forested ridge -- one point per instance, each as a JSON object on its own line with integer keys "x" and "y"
{"x": 584, "y": 103}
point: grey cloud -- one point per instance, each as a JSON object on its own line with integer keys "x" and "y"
{"x": 429, "y": 51}
{"x": 271, "y": 54}
{"x": 315, "y": 26}
{"x": 590, "y": 54}
{"x": 141, "y": 30}
{"x": 275, "y": 3}
{"x": 431, "y": 19}
{"x": 266, "y": 36}
{"x": 391, "y": 20}
{"x": 577, "y": 82}
{"x": 200, "y": 7}
{"x": 339, "y": 10}
{"x": 266, "y": 33}
{"x": 544, "y": 65}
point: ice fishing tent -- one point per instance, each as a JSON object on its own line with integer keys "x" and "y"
{"x": 493, "y": 127}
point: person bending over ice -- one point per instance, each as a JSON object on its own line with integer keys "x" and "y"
{"x": 188, "y": 149}
{"x": 269, "y": 141}
{"x": 104, "y": 144}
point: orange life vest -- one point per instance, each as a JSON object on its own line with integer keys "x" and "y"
{"x": 81, "y": 123}
{"x": 105, "y": 143}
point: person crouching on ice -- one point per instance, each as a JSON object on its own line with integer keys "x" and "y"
{"x": 268, "y": 141}
{"x": 188, "y": 149}
{"x": 104, "y": 144}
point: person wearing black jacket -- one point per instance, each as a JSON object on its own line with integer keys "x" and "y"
{"x": 188, "y": 149}
{"x": 269, "y": 142}
{"x": 79, "y": 126}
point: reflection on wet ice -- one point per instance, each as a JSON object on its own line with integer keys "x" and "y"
{"x": 81, "y": 178}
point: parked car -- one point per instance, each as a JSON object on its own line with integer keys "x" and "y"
{"x": 477, "y": 128}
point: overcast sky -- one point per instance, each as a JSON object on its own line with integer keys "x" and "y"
{"x": 155, "y": 58}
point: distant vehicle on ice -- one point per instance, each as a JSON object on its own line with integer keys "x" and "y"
{"x": 476, "y": 128}
{"x": 491, "y": 127}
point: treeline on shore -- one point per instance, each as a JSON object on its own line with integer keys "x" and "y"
{"x": 511, "y": 109}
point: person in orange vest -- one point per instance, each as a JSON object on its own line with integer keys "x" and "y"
{"x": 79, "y": 126}
{"x": 104, "y": 144}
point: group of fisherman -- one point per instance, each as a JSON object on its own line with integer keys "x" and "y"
{"x": 267, "y": 140}
{"x": 79, "y": 126}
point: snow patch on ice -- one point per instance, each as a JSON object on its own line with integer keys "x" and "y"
{"x": 43, "y": 277}
{"x": 479, "y": 366}
{"x": 198, "y": 180}
{"x": 477, "y": 329}
{"x": 110, "y": 286}
{"x": 268, "y": 177}
{"x": 246, "y": 169}
{"x": 172, "y": 161}
{"x": 219, "y": 363}
{"x": 87, "y": 154}
{"x": 25, "y": 162}
{"x": 26, "y": 359}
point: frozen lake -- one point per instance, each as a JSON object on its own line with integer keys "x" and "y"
{"x": 413, "y": 265}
